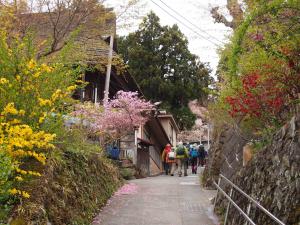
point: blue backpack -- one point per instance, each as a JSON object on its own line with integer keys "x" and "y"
{"x": 194, "y": 153}
{"x": 113, "y": 152}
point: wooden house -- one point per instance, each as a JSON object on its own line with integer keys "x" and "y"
{"x": 145, "y": 145}
{"x": 90, "y": 47}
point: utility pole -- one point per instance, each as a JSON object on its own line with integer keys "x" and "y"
{"x": 108, "y": 70}
{"x": 200, "y": 136}
{"x": 208, "y": 127}
{"x": 82, "y": 91}
{"x": 96, "y": 94}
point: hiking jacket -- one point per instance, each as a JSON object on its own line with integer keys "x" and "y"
{"x": 165, "y": 157}
{"x": 191, "y": 152}
{"x": 201, "y": 152}
{"x": 184, "y": 156}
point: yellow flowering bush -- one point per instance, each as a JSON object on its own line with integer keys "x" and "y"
{"x": 32, "y": 95}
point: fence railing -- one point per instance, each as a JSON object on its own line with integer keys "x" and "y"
{"x": 231, "y": 202}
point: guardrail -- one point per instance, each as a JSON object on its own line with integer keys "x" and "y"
{"x": 231, "y": 201}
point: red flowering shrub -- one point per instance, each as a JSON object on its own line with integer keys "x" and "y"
{"x": 269, "y": 92}
{"x": 256, "y": 97}
{"x": 259, "y": 71}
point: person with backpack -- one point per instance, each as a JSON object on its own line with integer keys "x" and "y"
{"x": 168, "y": 158}
{"x": 172, "y": 160}
{"x": 194, "y": 158}
{"x": 182, "y": 156}
{"x": 189, "y": 147}
{"x": 201, "y": 155}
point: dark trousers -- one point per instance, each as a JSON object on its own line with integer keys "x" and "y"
{"x": 201, "y": 161}
{"x": 194, "y": 165}
{"x": 167, "y": 168}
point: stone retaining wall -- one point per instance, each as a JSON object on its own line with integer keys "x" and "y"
{"x": 272, "y": 177}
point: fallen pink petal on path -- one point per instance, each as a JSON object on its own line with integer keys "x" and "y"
{"x": 127, "y": 189}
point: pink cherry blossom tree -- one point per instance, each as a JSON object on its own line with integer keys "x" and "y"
{"x": 118, "y": 117}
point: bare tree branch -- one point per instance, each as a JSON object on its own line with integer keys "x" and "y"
{"x": 219, "y": 18}
{"x": 235, "y": 11}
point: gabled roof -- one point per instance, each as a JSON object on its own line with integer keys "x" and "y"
{"x": 169, "y": 116}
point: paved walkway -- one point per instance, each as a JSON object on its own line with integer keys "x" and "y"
{"x": 161, "y": 200}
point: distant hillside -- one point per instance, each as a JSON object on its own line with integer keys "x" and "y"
{"x": 199, "y": 131}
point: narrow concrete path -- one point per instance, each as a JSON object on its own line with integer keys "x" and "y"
{"x": 162, "y": 200}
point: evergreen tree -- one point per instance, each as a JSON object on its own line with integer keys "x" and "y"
{"x": 160, "y": 61}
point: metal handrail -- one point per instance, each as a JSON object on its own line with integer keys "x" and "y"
{"x": 248, "y": 197}
{"x": 253, "y": 201}
{"x": 234, "y": 204}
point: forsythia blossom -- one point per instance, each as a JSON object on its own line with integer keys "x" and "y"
{"x": 22, "y": 193}
{"x": 3, "y": 81}
{"x": 44, "y": 102}
{"x": 31, "y": 64}
{"x": 29, "y": 92}
{"x": 71, "y": 88}
{"x": 10, "y": 109}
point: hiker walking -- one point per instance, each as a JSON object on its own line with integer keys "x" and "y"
{"x": 201, "y": 155}
{"x": 188, "y": 162}
{"x": 172, "y": 160}
{"x": 194, "y": 158}
{"x": 168, "y": 158}
{"x": 182, "y": 156}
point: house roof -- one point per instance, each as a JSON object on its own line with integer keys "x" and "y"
{"x": 89, "y": 44}
{"x": 169, "y": 116}
{"x": 89, "y": 35}
{"x": 158, "y": 131}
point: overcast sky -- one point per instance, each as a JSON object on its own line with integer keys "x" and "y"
{"x": 204, "y": 38}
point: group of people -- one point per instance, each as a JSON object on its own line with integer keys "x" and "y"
{"x": 180, "y": 157}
